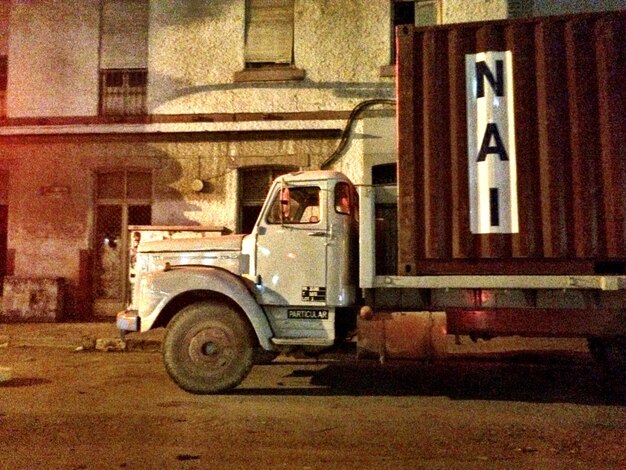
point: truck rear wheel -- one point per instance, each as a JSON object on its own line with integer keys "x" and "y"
{"x": 208, "y": 348}
{"x": 597, "y": 349}
{"x": 611, "y": 354}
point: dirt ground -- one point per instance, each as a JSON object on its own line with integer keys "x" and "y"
{"x": 523, "y": 409}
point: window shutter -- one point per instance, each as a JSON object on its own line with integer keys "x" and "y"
{"x": 124, "y": 36}
{"x": 269, "y": 31}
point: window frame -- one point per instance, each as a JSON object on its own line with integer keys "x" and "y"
{"x": 126, "y": 91}
{"x": 125, "y": 201}
{"x": 250, "y": 174}
{"x": 263, "y": 69}
{"x": 273, "y": 216}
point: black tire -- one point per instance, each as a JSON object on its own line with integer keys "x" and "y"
{"x": 597, "y": 349}
{"x": 616, "y": 354}
{"x": 208, "y": 348}
{"x": 611, "y": 354}
{"x": 263, "y": 357}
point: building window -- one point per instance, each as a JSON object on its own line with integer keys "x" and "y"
{"x": 123, "y": 92}
{"x": 257, "y": 182}
{"x": 123, "y": 198}
{"x": 384, "y": 177}
{"x": 269, "y": 33}
{"x": 268, "y": 50}
{"x": 123, "y": 57}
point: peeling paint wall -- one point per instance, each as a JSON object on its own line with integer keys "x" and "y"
{"x": 32, "y": 299}
{"x": 455, "y": 11}
{"x": 53, "y": 52}
{"x": 51, "y": 197}
{"x": 218, "y": 163}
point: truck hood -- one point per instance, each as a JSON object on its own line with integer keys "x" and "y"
{"x": 221, "y": 243}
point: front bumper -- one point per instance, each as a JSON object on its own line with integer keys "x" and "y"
{"x": 128, "y": 320}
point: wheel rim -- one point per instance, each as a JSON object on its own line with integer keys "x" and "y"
{"x": 211, "y": 348}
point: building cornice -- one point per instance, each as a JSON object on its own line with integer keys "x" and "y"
{"x": 174, "y": 123}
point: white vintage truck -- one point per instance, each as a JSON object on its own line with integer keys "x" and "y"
{"x": 505, "y": 214}
{"x": 292, "y": 283}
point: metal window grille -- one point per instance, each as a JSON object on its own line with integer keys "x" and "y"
{"x": 123, "y": 92}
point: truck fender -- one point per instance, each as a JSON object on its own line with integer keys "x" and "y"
{"x": 178, "y": 281}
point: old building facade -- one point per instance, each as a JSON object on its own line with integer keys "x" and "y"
{"x": 179, "y": 113}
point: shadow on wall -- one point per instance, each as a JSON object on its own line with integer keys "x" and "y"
{"x": 171, "y": 203}
{"x": 178, "y": 88}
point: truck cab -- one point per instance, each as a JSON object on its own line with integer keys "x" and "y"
{"x": 291, "y": 283}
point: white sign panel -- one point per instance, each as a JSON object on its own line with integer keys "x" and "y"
{"x": 491, "y": 143}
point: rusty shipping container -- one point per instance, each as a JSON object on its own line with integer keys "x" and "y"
{"x": 512, "y": 146}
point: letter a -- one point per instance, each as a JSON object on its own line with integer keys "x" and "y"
{"x": 486, "y": 149}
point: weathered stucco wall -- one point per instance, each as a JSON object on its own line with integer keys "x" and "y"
{"x": 217, "y": 163}
{"x": 52, "y": 226}
{"x": 455, "y": 11}
{"x": 51, "y": 197}
{"x": 53, "y": 53}
{"x": 195, "y": 51}
{"x": 560, "y": 7}
{"x": 373, "y": 143}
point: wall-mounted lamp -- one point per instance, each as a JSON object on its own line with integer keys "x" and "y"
{"x": 198, "y": 185}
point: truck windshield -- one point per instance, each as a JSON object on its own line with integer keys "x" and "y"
{"x": 299, "y": 205}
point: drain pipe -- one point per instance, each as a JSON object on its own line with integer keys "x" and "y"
{"x": 354, "y": 115}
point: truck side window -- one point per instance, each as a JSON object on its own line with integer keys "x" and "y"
{"x": 296, "y": 205}
{"x": 342, "y": 198}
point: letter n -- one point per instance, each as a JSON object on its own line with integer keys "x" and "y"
{"x": 497, "y": 82}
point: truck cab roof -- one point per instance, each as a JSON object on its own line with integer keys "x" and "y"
{"x": 313, "y": 175}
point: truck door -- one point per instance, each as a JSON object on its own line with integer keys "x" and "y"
{"x": 342, "y": 245}
{"x": 291, "y": 247}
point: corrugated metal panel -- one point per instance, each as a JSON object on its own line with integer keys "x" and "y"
{"x": 570, "y": 134}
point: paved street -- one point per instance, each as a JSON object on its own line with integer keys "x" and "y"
{"x": 67, "y": 409}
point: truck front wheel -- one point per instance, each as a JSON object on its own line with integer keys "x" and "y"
{"x": 208, "y": 348}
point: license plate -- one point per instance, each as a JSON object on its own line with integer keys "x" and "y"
{"x": 308, "y": 314}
